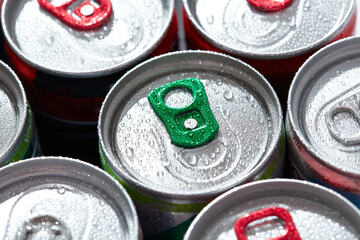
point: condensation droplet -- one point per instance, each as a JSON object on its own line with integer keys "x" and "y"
{"x": 228, "y": 95}
{"x": 61, "y": 190}
{"x": 192, "y": 160}
{"x": 210, "y": 19}
{"x": 49, "y": 40}
{"x": 160, "y": 174}
{"x": 129, "y": 152}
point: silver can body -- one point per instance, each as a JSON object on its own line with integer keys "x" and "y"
{"x": 63, "y": 198}
{"x": 315, "y": 212}
{"x": 321, "y": 123}
{"x": 18, "y": 134}
{"x": 170, "y": 183}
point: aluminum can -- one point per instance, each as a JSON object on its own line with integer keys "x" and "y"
{"x": 163, "y": 160}
{"x": 18, "y": 134}
{"x": 322, "y": 120}
{"x": 275, "y": 37}
{"x": 67, "y": 68}
{"x": 277, "y": 209}
{"x": 63, "y": 198}
{"x": 2, "y": 47}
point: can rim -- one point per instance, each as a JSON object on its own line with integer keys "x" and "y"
{"x": 270, "y": 56}
{"x": 8, "y": 73}
{"x": 170, "y": 4}
{"x": 77, "y": 170}
{"x": 297, "y": 127}
{"x": 200, "y": 195}
{"x": 269, "y": 185}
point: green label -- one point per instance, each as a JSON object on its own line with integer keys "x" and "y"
{"x": 191, "y": 126}
{"x": 25, "y": 148}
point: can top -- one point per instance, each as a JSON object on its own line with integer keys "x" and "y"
{"x": 315, "y": 211}
{"x": 140, "y": 150}
{"x": 13, "y": 112}
{"x": 131, "y": 31}
{"x": 70, "y": 199}
{"x": 323, "y": 107}
{"x": 239, "y": 28}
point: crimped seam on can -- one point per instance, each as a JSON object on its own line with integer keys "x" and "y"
{"x": 277, "y": 158}
{"x": 24, "y": 150}
{"x": 151, "y": 202}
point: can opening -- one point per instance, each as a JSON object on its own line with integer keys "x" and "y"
{"x": 178, "y": 98}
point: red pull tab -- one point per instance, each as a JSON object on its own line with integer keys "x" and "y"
{"x": 90, "y": 15}
{"x": 291, "y": 231}
{"x": 270, "y": 5}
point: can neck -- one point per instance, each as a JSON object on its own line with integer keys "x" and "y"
{"x": 270, "y": 5}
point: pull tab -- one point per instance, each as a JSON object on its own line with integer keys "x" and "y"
{"x": 43, "y": 227}
{"x": 351, "y": 106}
{"x": 192, "y": 125}
{"x": 270, "y": 5}
{"x": 291, "y": 231}
{"x": 90, "y": 15}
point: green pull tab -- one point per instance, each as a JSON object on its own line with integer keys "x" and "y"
{"x": 192, "y": 125}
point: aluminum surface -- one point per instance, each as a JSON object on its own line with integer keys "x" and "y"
{"x": 237, "y": 28}
{"x": 317, "y": 212}
{"x": 13, "y": 112}
{"x": 63, "y": 198}
{"x": 325, "y": 114}
{"x": 137, "y": 145}
{"x": 134, "y": 30}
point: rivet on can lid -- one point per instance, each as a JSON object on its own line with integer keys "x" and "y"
{"x": 282, "y": 213}
{"x": 192, "y": 125}
{"x": 91, "y": 16}
{"x": 270, "y": 5}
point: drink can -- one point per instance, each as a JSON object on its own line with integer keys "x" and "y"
{"x": 277, "y": 209}
{"x": 18, "y": 134}
{"x": 182, "y": 128}
{"x": 68, "y": 55}
{"x": 322, "y": 123}
{"x": 275, "y": 37}
{"x": 2, "y": 47}
{"x": 63, "y": 198}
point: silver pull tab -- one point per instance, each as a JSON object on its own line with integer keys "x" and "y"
{"x": 43, "y": 227}
{"x": 351, "y": 107}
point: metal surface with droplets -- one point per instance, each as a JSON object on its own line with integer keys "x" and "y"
{"x": 63, "y": 198}
{"x": 325, "y": 114}
{"x": 317, "y": 212}
{"x": 138, "y": 147}
{"x": 133, "y": 30}
{"x": 238, "y": 28}
{"x": 13, "y": 112}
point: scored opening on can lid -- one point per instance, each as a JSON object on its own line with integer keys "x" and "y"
{"x": 238, "y": 28}
{"x": 67, "y": 198}
{"x": 13, "y": 112}
{"x": 137, "y": 146}
{"x": 133, "y": 30}
{"x": 315, "y": 212}
{"x": 323, "y": 109}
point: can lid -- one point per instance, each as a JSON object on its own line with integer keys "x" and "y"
{"x": 239, "y": 28}
{"x": 139, "y": 149}
{"x": 323, "y": 107}
{"x": 13, "y": 112}
{"x": 70, "y": 199}
{"x": 44, "y": 40}
{"x": 277, "y": 209}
